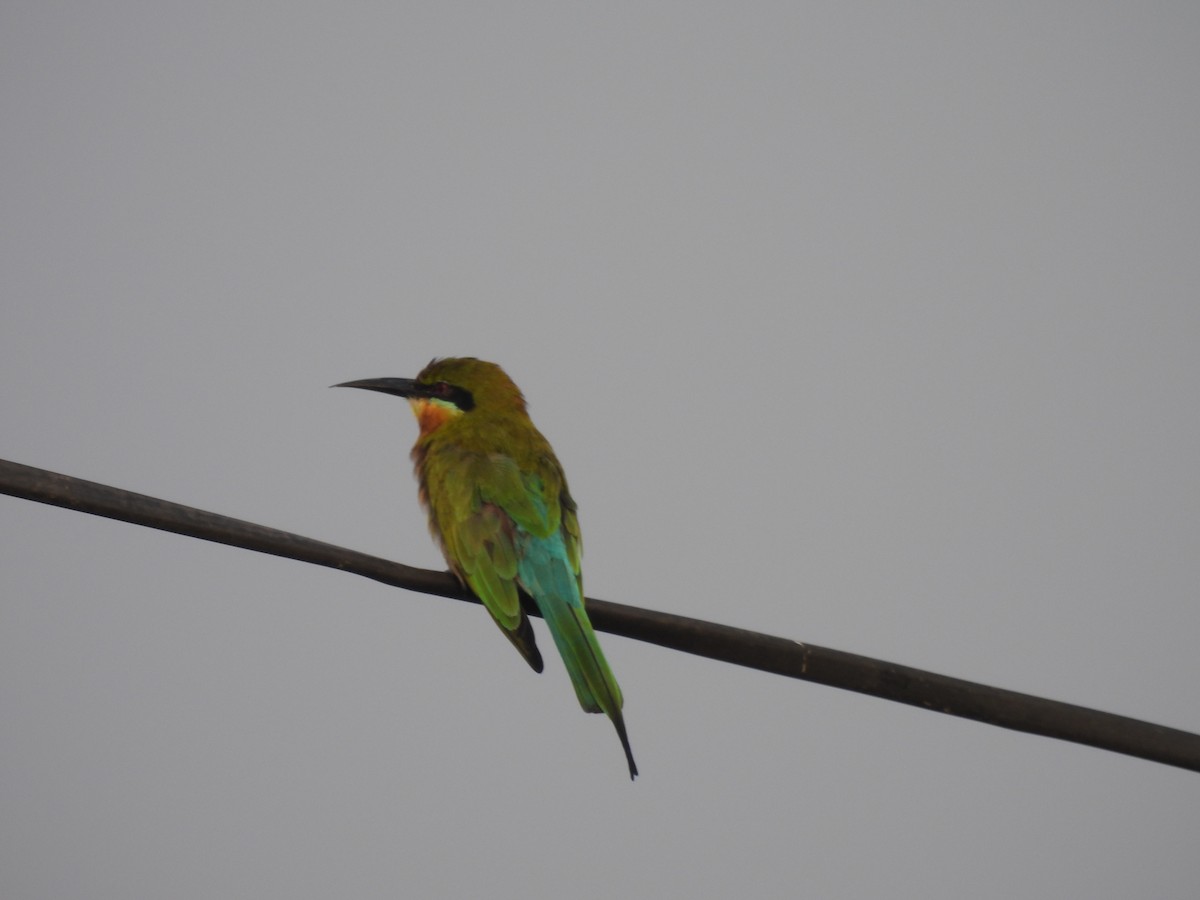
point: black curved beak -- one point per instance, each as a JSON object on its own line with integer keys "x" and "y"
{"x": 400, "y": 387}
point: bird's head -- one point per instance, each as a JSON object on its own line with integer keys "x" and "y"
{"x": 447, "y": 389}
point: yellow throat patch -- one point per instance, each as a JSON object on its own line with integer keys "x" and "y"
{"x": 432, "y": 414}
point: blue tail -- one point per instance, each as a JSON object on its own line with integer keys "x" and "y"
{"x": 546, "y": 575}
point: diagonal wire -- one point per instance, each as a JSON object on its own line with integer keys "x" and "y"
{"x": 835, "y": 668}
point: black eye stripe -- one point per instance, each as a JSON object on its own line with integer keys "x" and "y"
{"x": 452, "y": 393}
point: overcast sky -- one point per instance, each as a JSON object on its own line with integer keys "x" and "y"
{"x": 873, "y": 326}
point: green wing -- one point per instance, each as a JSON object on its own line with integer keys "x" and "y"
{"x": 482, "y": 544}
{"x": 505, "y": 530}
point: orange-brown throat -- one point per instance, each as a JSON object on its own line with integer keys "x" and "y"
{"x": 432, "y": 414}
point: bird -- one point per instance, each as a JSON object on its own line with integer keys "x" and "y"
{"x": 500, "y": 511}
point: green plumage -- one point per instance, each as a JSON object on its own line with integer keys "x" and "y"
{"x": 499, "y": 508}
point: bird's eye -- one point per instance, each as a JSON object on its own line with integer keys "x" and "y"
{"x": 442, "y": 389}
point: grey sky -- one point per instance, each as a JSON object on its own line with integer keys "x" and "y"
{"x": 874, "y": 326}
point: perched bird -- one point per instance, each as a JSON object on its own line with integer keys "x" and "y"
{"x": 499, "y": 509}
